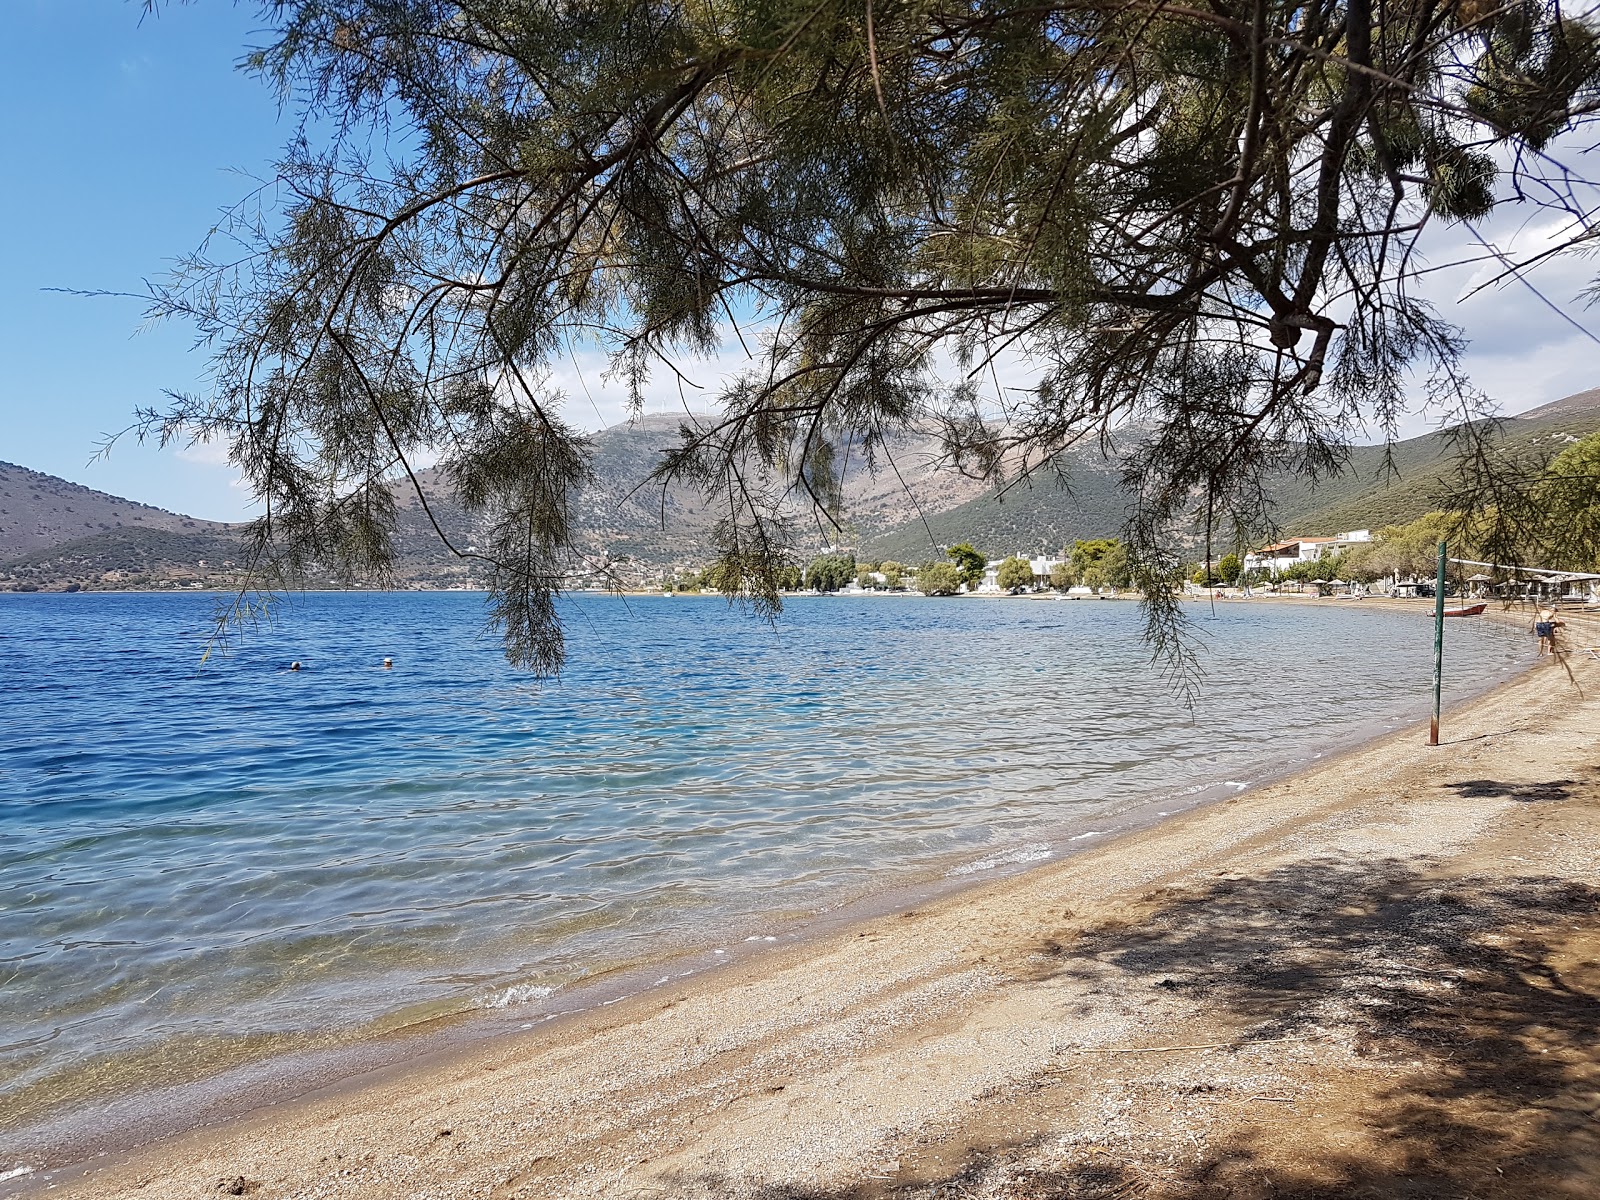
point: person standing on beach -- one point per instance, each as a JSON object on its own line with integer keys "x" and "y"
{"x": 1545, "y": 624}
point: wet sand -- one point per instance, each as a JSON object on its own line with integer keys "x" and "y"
{"x": 1377, "y": 977}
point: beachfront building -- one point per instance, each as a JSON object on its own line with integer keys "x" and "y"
{"x": 1039, "y": 564}
{"x": 1280, "y": 556}
{"x": 879, "y": 582}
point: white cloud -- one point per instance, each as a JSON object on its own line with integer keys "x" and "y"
{"x": 209, "y": 459}
{"x": 213, "y": 453}
{"x": 1531, "y": 337}
{"x": 596, "y": 400}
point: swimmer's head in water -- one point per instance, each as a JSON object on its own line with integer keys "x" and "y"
{"x": 294, "y": 666}
{"x": 388, "y": 662}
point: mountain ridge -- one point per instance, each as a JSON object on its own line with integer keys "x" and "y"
{"x": 53, "y": 531}
{"x": 39, "y": 510}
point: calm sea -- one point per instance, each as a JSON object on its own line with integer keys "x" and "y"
{"x": 201, "y": 865}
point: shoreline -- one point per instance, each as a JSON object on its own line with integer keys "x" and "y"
{"x": 865, "y": 594}
{"x": 474, "y": 1068}
{"x": 119, "y": 1122}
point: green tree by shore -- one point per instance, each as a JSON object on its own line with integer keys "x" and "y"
{"x": 1014, "y": 574}
{"x": 830, "y": 572}
{"x": 969, "y": 564}
{"x": 1101, "y": 562}
{"x": 939, "y": 579}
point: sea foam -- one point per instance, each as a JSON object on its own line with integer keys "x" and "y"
{"x": 517, "y": 993}
{"x": 1006, "y": 858}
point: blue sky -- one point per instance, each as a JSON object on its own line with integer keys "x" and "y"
{"x": 122, "y": 161}
{"x": 116, "y": 167}
{"x": 122, "y": 141}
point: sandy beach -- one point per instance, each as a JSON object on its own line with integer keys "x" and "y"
{"x": 1379, "y": 977}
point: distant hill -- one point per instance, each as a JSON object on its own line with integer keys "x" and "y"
{"x": 1377, "y": 487}
{"x": 1577, "y": 404}
{"x": 1369, "y": 495}
{"x": 1045, "y": 512}
{"x": 38, "y": 511}
{"x": 655, "y": 527}
{"x": 128, "y": 555}
{"x": 53, "y": 532}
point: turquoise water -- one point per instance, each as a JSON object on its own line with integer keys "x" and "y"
{"x": 201, "y": 864}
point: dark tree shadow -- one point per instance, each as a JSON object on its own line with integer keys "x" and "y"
{"x": 1457, "y": 976}
{"x": 1472, "y": 995}
{"x": 976, "y": 1177}
{"x": 1523, "y": 793}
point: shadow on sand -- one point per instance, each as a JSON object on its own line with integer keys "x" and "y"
{"x": 1473, "y": 1001}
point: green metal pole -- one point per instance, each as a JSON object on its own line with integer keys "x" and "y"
{"x": 1438, "y": 647}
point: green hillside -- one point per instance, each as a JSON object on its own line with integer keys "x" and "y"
{"x": 1375, "y": 488}
{"x": 1365, "y": 498}
{"x": 130, "y": 551}
{"x": 1044, "y": 513}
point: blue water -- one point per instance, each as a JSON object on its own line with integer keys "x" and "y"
{"x": 199, "y": 864}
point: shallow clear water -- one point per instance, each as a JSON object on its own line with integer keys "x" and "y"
{"x": 200, "y": 864}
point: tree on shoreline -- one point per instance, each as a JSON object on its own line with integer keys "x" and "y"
{"x": 830, "y": 572}
{"x": 1014, "y": 574}
{"x": 939, "y": 579}
{"x": 1100, "y": 563}
{"x": 970, "y": 564}
{"x": 1199, "y": 219}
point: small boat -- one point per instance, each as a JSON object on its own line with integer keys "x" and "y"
{"x": 1471, "y": 610}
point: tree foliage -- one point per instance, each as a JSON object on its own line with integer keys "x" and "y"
{"x": 1101, "y": 562}
{"x": 1523, "y": 505}
{"x": 1409, "y": 551}
{"x": 1198, "y": 218}
{"x": 830, "y": 572}
{"x": 1014, "y": 574}
{"x": 1544, "y": 513}
{"x": 970, "y": 564}
{"x": 939, "y": 579}
{"x": 1568, "y": 496}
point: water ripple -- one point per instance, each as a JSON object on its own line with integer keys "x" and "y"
{"x": 228, "y": 857}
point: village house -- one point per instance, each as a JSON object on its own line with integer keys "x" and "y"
{"x": 1280, "y": 556}
{"x": 1039, "y": 564}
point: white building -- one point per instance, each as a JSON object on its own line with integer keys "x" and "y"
{"x": 1280, "y": 556}
{"x": 1039, "y": 564}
